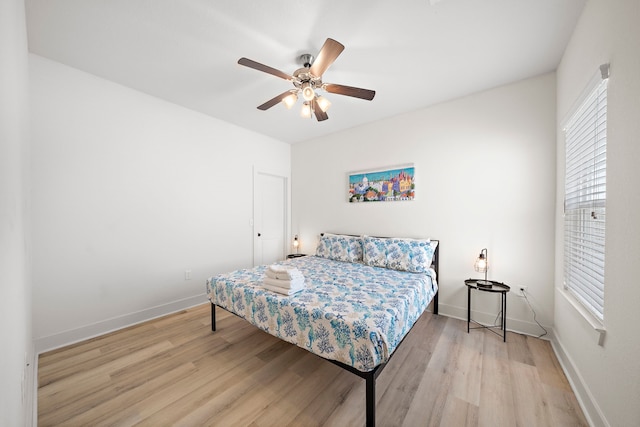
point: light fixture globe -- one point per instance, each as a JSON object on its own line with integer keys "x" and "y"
{"x": 307, "y": 92}
{"x": 290, "y": 100}
{"x": 481, "y": 266}
{"x": 296, "y": 243}
{"x": 306, "y": 110}
{"x": 481, "y": 263}
{"x": 323, "y": 103}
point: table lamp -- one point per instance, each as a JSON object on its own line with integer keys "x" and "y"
{"x": 482, "y": 265}
{"x": 296, "y": 243}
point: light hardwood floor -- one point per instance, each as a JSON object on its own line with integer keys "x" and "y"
{"x": 175, "y": 371}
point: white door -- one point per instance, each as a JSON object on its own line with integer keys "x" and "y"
{"x": 270, "y": 202}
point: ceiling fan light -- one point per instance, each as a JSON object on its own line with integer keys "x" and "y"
{"x": 306, "y": 110}
{"x": 307, "y": 92}
{"x": 323, "y": 103}
{"x": 290, "y": 100}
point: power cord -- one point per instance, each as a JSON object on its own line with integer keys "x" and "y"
{"x": 524, "y": 294}
{"x": 499, "y": 316}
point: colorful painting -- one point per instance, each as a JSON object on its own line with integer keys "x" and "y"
{"x": 384, "y": 185}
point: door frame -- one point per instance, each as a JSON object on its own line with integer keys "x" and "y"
{"x": 257, "y": 171}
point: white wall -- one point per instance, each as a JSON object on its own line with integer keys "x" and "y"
{"x": 15, "y": 287}
{"x": 485, "y": 177}
{"x": 129, "y": 191}
{"x": 607, "y": 378}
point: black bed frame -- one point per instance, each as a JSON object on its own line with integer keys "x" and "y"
{"x": 370, "y": 376}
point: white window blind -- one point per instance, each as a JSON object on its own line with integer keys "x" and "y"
{"x": 585, "y": 199}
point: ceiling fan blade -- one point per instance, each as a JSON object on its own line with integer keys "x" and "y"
{"x": 264, "y": 68}
{"x": 273, "y": 101}
{"x": 329, "y": 52}
{"x": 355, "y": 92}
{"x": 320, "y": 115}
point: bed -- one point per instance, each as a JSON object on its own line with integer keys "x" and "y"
{"x": 362, "y": 296}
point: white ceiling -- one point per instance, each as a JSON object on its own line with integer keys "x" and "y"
{"x": 413, "y": 53}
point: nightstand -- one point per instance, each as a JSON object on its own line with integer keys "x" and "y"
{"x": 295, "y": 256}
{"x": 488, "y": 286}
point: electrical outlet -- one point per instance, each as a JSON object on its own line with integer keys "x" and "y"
{"x": 187, "y": 275}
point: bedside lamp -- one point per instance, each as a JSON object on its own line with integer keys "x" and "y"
{"x": 296, "y": 243}
{"x": 481, "y": 266}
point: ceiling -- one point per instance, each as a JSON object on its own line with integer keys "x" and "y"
{"x": 413, "y": 53}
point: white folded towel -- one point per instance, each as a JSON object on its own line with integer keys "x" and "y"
{"x": 283, "y": 291}
{"x": 285, "y": 284}
{"x": 293, "y": 275}
{"x": 280, "y": 268}
{"x": 284, "y": 272}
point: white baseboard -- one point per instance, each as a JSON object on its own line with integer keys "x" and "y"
{"x": 82, "y": 333}
{"x": 513, "y": 325}
{"x": 589, "y": 406}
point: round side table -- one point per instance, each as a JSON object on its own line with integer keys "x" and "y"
{"x": 488, "y": 286}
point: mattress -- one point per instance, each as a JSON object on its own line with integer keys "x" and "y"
{"x": 348, "y": 312}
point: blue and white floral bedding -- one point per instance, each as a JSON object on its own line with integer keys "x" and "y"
{"x": 350, "y": 312}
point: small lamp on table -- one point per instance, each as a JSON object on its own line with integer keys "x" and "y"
{"x": 296, "y": 243}
{"x": 481, "y": 266}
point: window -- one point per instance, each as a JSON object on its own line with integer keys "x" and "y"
{"x": 585, "y": 198}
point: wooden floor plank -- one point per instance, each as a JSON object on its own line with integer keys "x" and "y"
{"x": 564, "y": 409}
{"x": 549, "y": 368}
{"x": 430, "y": 398}
{"x": 174, "y": 371}
{"x": 342, "y": 406}
{"x": 496, "y": 396}
{"x": 467, "y": 371}
{"x": 100, "y": 413}
{"x": 397, "y": 385}
{"x": 220, "y": 384}
{"x": 459, "y": 413}
{"x": 518, "y": 348}
{"x": 86, "y": 385}
{"x": 294, "y": 399}
{"x": 530, "y": 402}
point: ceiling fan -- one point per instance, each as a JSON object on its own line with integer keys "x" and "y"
{"x": 308, "y": 79}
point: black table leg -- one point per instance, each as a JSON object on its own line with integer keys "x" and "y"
{"x": 468, "y": 307}
{"x": 504, "y": 317}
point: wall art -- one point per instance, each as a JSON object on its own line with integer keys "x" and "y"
{"x": 382, "y": 185}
